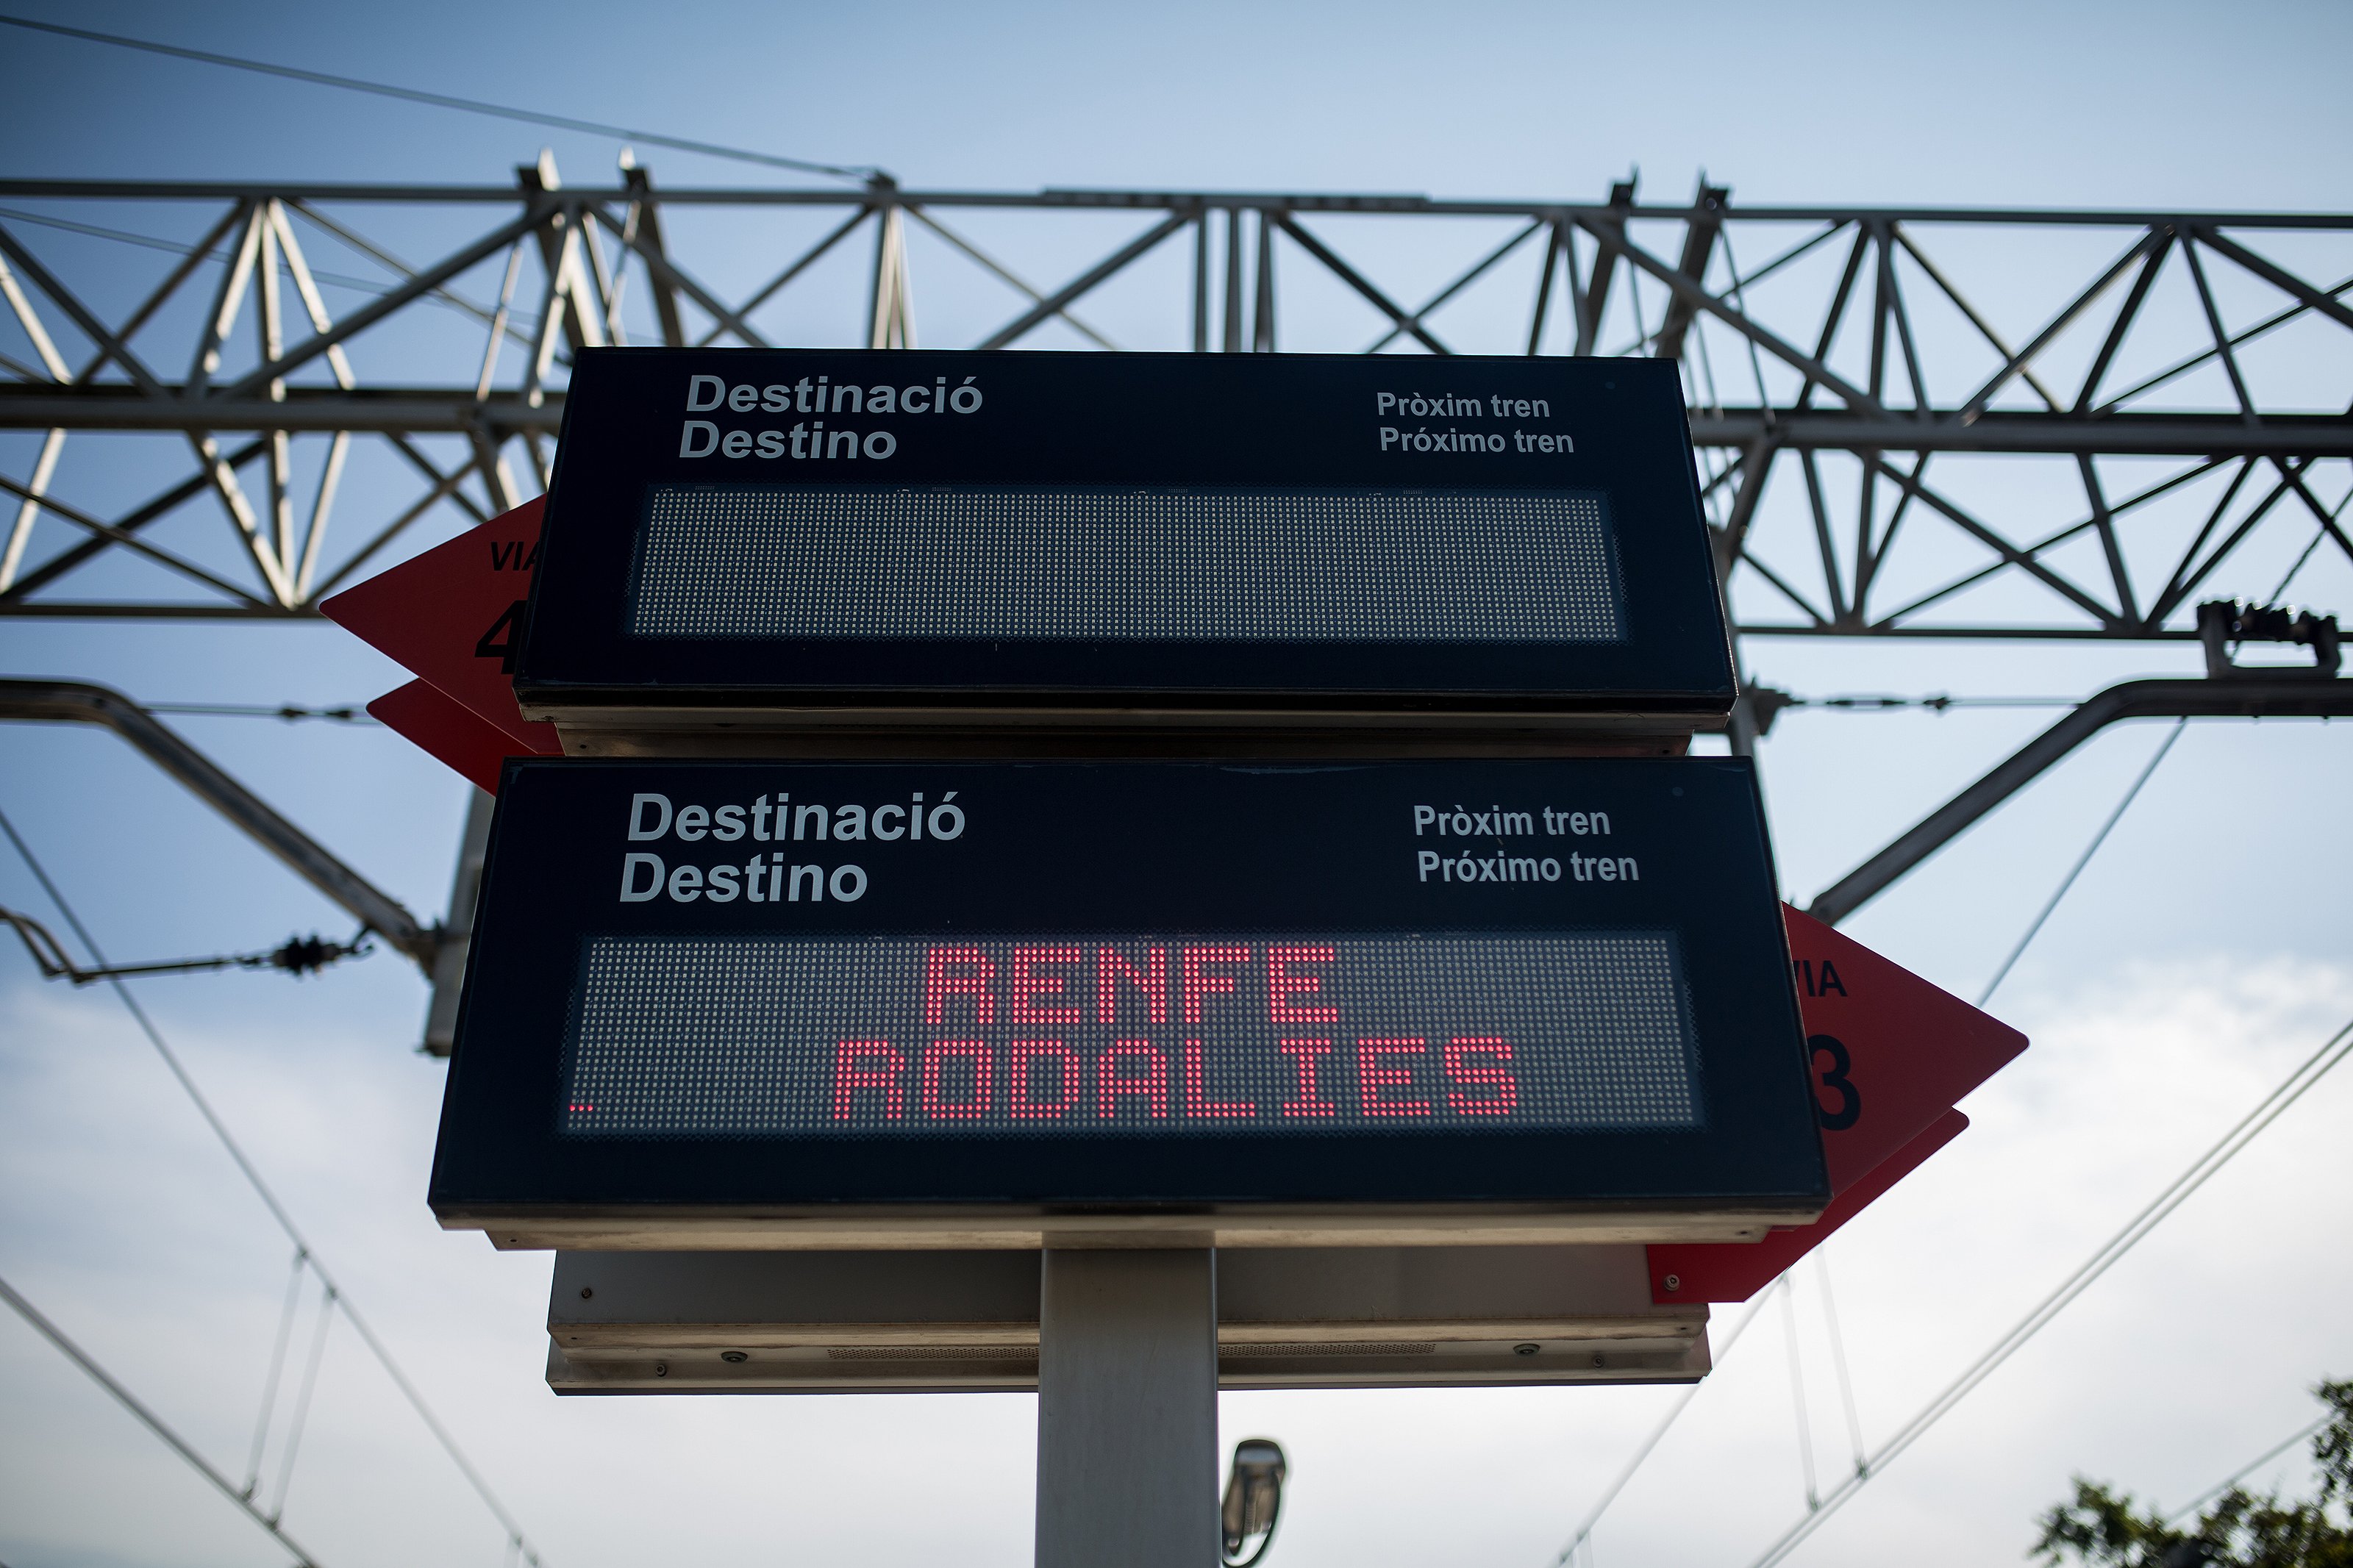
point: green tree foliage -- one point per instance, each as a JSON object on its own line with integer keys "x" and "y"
{"x": 2105, "y": 1529}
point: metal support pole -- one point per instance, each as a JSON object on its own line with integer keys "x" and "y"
{"x": 1742, "y": 731}
{"x": 1232, "y": 341}
{"x": 1200, "y": 283}
{"x": 1127, "y": 1409}
{"x": 1262, "y": 308}
{"x": 448, "y": 971}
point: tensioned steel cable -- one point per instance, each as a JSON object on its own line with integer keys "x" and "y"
{"x": 445, "y": 101}
{"x": 1610, "y": 1496}
{"x": 277, "y": 1367}
{"x": 320, "y": 1324}
{"x": 2086, "y": 859}
{"x": 1798, "y": 1389}
{"x": 1740, "y": 303}
{"x": 2318, "y": 535}
{"x": 1838, "y": 1356}
{"x": 1876, "y": 703}
{"x": 2311, "y": 1071}
{"x": 2249, "y": 1468}
{"x": 269, "y": 1200}
{"x": 148, "y": 1418}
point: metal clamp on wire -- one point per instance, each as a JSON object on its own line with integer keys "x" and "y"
{"x": 2224, "y": 623}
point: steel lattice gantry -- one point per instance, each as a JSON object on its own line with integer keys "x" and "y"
{"x": 1910, "y": 422}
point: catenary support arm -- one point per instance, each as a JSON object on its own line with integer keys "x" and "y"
{"x": 2240, "y": 696}
{"x": 80, "y": 702}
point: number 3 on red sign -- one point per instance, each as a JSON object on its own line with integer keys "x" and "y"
{"x": 1850, "y": 1098}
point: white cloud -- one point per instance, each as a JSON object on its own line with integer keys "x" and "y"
{"x": 2188, "y": 1358}
{"x": 121, "y": 1218}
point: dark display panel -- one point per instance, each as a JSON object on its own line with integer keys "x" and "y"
{"x": 726, "y": 560}
{"x": 786, "y": 987}
{"x": 791, "y": 529}
{"x": 1130, "y": 1037}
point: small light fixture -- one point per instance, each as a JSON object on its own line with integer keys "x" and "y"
{"x": 1253, "y": 1499}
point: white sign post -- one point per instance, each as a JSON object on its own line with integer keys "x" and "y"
{"x": 1127, "y": 1409}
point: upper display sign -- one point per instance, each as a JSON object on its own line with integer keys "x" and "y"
{"x": 833, "y": 1003}
{"x": 790, "y": 537}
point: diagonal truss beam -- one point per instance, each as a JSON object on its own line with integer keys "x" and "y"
{"x": 1055, "y": 303}
{"x": 261, "y": 407}
{"x": 1410, "y": 324}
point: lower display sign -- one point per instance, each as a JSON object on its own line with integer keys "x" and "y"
{"x": 760, "y": 1004}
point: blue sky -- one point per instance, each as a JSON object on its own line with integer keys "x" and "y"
{"x": 2201, "y": 954}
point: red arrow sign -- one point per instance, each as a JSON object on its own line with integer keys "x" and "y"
{"x": 1891, "y": 1054}
{"x": 457, "y": 734}
{"x": 454, "y": 615}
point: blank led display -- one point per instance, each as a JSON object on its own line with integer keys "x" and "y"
{"x": 1112, "y": 564}
{"x": 1130, "y": 1037}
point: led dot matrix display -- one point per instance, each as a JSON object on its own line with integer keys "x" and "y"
{"x": 1125, "y": 564}
{"x": 1130, "y": 1037}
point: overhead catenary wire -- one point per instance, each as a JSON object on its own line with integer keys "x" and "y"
{"x": 447, "y": 100}
{"x": 276, "y": 1368}
{"x": 2249, "y": 1468}
{"x": 269, "y": 1200}
{"x": 1838, "y": 1356}
{"x": 1740, "y": 302}
{"x": 1869, "y": 702}
{"x": 1798, "y": 1390}
{"x": 41, "y": 1325}
{"x": 2311, "y": 1070}
{"x": 320, "y": 1323}
{"x": 298, "y": 955}
{"x": 2318, "y": 535}
{"x": 1609, "y": 1494}
{"x": 289, "y": 712}
{"x": 2083, "y": 860}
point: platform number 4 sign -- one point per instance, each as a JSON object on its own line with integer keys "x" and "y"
{"x": 501, "y": 641}
{"x": 443, "y": 615}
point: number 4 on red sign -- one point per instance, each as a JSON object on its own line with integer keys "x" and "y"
{"x": 499, "y": 642}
